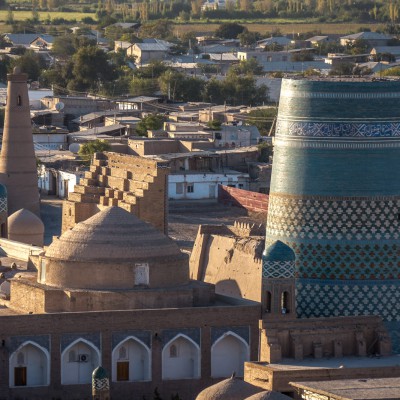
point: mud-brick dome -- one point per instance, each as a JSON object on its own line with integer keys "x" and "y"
{"x": 228, "y": 389}
{"x": 25, "y": 227}
{"x": 109, "y": 250}
{"x": 279, "y": 251}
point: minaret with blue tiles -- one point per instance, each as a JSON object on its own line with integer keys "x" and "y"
{"x": 278, "y": 283}
{"x": 335, "y": 196}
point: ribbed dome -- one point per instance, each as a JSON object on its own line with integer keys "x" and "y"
{"x": 100, "y": 373}
{"x": 24, "y": 222}
{"x": 279, "y": 251}
{"x": 268, "y": 395}
{"x": 112, "y": 235}
{"x": 228, "y": 389}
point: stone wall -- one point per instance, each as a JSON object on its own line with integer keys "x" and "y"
{"x": 133, "y": 183}
{"x": 251, "y": 201}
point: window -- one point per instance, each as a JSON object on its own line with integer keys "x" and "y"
{"x": 19, "y": 101}
{"x": 173, "y": 351}
{"x": 268, "y": 300}
{"x": 285, "y": 302}
{"x": 20, "y": 376}
{"x": 141, "y": 273}
{"x": 123, "y": 371}
{"x": 190, "y": 188}
{"x": 43, "y": 271}
{"x": 179, "y": 188}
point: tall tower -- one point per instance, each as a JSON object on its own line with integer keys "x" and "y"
{"x": 335, "y": 196}
{"x": 17, "y": 161}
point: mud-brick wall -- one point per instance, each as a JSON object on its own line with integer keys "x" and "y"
{"x": 251, "y": 201}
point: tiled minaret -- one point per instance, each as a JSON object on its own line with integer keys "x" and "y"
{"x": 335, "y": 196}
{"x": 18, "y": 170}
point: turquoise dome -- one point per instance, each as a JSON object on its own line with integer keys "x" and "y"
{"x": 3, "y": 191}
{"x": 279, "y": 251}
{"x": 99, "y": 373}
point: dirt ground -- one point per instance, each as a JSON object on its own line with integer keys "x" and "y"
{"x": 183, "y": 222}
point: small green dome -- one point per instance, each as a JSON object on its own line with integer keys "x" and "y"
{"x": 278, "y": 251}
{"x": 99, "y": 373}
{"x": 3, "y": 191}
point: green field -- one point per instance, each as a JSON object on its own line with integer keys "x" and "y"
{"x": 23, "y": 15}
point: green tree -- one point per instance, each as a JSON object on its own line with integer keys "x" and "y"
{"x": 229, "y": 30}
{"x": 250, "y": 66}
{"x": 248, "y": 38}
{"x": 31, "y": 63}
{"x": 90, "y": 68}
{"x": 88, "y": 149}
{"x": 181, "y": 87}
{"x": 151, "y": 122}
{"x": 64, "y": 46}
{"x": 160, "y": 29}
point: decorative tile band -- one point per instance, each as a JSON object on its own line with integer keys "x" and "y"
{"x": 319, "y": 298}
{"x": 278, "y": 269}
{"x": 309, "y": 218}
{"x": 338, "y": 95}
{"x": 319, "y": 143}
{"x": 337, "y": 129}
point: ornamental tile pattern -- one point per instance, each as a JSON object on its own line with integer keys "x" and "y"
{"x": 337, "y": 129}
{"x": 322, "y": 298}
{"x": 357, "y": 219}
{"x": 278, "y": 269}
{"x": 3, "y": 204}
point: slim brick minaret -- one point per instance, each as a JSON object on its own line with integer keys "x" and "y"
{"x": 18, "y": 170}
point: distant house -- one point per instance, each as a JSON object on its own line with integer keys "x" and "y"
{"x": 124, "y": 25}
{"x": 42, "y": 42}
{"x": 277, "y": 40}
{"x": 317, "y": 40}
{"x": 146, "y": 52}
{"x": 373, "y": 38}
{"x": 390, "y": 50}
{"x": 120, "y": 44}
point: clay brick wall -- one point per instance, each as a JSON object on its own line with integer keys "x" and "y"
{"x": 133, "y": 183}
{"x": 157, "y": 322}
{"x": 251, "y": 201}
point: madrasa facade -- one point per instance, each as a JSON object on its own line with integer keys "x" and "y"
{"x": 112, "y": 291}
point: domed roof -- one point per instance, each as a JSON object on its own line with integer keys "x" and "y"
{"x": 100, "y": 373}
{"x": 268, "y": 395}
{"x": 3, "y": 191}
{"x": 112, "y": 235}
{"x": 228, "y": 389}
{"x": 24, "y": 222}
{"x": 279, "y": 251}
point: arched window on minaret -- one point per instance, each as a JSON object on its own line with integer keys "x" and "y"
{"x": 268, "y": 301}
{"x": 19, "y": 100}
{"x": 285, "y": 302}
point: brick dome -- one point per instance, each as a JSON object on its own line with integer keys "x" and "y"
{"x": 103, "y": 251}
{"x": 25, "y": 227}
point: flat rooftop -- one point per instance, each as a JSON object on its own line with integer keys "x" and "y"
{"x": 334, "y": 363}
{"x": 354, "y": 389}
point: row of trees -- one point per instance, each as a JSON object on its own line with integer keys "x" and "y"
{"x": 184, "y": 10}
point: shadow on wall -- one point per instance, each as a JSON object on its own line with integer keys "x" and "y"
{"x": 228, "y": 287}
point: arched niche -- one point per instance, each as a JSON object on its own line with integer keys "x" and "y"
{"x": 29, "y": 365}
{"x": 228, "y": 354}
{"x": 181, "y": 359}
{"x": 131, "y": 361}
{"x": 78, "y": 361}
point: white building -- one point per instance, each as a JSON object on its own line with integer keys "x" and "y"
{"x": 199, "y": 185}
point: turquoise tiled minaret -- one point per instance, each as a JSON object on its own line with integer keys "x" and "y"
{"x": 335, "y": 196}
